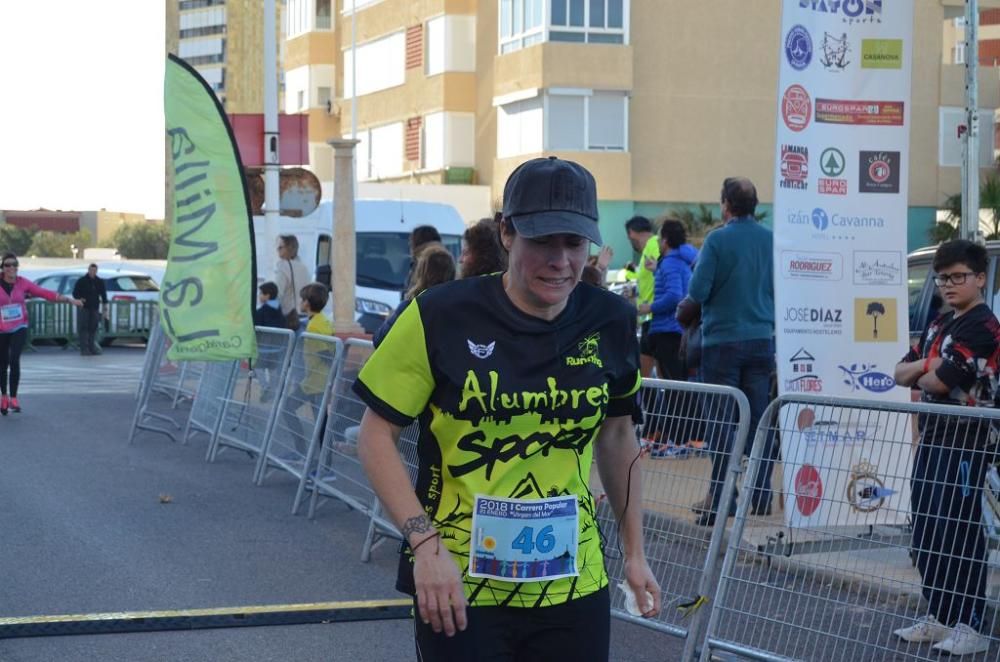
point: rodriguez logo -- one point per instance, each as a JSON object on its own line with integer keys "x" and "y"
{"x": 878, "y": 268}
{"x": 796, "y": 108}
{"x": 798, "y": 48}
{"x": 852, "y": 11}
{"x": 811, "y": 266}
{"x": 879, "y": 172}
{"x": 794, "y": 167}
{"x": 862, "y": 376}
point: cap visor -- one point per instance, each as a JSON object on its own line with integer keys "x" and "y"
{"x": 545, "y": 223}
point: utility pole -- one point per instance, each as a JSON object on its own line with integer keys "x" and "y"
{"x": 970, "y": 139}
{"x": 272, "y": 202}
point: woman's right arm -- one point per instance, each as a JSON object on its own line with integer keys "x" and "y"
{"x": 440, "y": 598}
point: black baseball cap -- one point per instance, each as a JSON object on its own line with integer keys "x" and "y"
{"x": 552, "y": 196}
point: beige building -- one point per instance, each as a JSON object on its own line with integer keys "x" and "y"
{"x": 223, "y": 40}
{"x": 659, "y": 99}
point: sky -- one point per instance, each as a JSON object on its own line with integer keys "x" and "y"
{"x": 81, "y": 105}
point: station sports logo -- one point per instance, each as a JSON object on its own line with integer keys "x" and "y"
{"x": 850, "y": 11}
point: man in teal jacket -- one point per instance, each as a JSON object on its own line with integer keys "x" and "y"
{"x": 734, "y": 283}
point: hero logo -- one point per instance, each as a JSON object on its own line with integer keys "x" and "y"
{"x": 811, "y": 266}
{"x": 854, "y": 11}
{"x": 863, "y": 376}
{"x": 842, "y": 226}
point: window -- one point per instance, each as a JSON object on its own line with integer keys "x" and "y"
{"x": 301, "y": 99}
{"x": 447, "y": 140}
{"x": 324, "y": 97}
{"x": 323, "y": 15}
{"x": 958, "y": 53}
{"x": 380, "y": 151}
{"x": 527, "y": 22}
{"x": 381, "y": 64}
{"x": 590, "y": 21}
{"x": 521, "y": 24}
{"x": 450, "y": 44}
{"x": 584, "y": 120}
{"x": 519, "y": 127}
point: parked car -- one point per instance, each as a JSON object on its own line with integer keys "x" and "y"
{"x": 125, "y": 289}
{"x": 924, "y": 301}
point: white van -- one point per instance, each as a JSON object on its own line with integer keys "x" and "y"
{"x": 383, "y": 250}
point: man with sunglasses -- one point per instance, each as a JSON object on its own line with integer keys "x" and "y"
{"x": 954, "y": 363}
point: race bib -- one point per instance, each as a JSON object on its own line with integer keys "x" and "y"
{"x": 12, "y": 312}
{"x": 524, "y": 540}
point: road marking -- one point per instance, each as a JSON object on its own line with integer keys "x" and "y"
{"x": 196, "y": 619}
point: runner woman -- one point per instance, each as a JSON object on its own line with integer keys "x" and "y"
{"x": 517, "y": 380}
{"x": 14, "y": 327}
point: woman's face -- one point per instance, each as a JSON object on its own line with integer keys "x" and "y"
{"x": 543, "y": 271}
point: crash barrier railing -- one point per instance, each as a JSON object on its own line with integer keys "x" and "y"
{"x": 247, "y": 407}
{"x": 48, "y": 320}
{"x": 888, "y": 498}
{"x": 688, "y": 429}
{"x": 294, "y": 440}
{"x": 150, "y": 380}
{"x": 215, "y": 384}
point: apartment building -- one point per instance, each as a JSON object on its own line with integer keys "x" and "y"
{"x": 660, "y": 100}
{"x": 223, "y": 40}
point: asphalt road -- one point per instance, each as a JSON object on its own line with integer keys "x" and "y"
{"x": 91, "y": 524}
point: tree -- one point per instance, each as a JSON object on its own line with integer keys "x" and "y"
{"x": 58, "y": 244}
{"x": 16, "y": 240}
{"x": 989, "y": 199}
{"x": 875, "y": 310}
{"x": 142, "y": 241}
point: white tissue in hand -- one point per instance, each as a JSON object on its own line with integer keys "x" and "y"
{"x": 631, "y": 606}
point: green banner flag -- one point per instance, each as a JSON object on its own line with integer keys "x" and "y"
{"x": 208, "y": 293}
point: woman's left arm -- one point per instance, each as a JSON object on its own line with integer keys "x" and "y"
{"x": 616, "y": 451}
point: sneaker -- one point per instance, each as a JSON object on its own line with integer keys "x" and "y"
{"x": 963, "y": 641}
{"x": 4, "y": 404}
{"x": 669, "y": 452}
{"x": 15, "y": 406}
{"x": 926, "y": 629}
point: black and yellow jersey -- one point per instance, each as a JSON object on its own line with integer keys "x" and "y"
{"x": 509, "y": 406}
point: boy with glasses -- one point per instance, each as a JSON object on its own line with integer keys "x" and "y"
{"x": 954, "y": 363}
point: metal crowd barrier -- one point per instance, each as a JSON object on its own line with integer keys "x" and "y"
{"x": 247, "y": 408}
{"x": 297, "y": 428}
{"x": 216, "y": 383}
{"x": 49, "y": 320}
{"x": 156, "y": 352}
{"x": 888, "y": 499}
{"x": 339, "y": 472}
{"x": 187, "y": 382}
{"x": 687, "y": 426}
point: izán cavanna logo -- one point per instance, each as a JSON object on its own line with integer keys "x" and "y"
{"x": 587, "y": 349}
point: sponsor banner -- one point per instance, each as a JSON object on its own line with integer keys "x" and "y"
{"x": 836, "y": 471}
{"x": 840, "y": 207}
{"x": 209, "y": 288}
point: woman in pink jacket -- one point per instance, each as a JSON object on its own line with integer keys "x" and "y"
{"x": 14, "y": 326}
